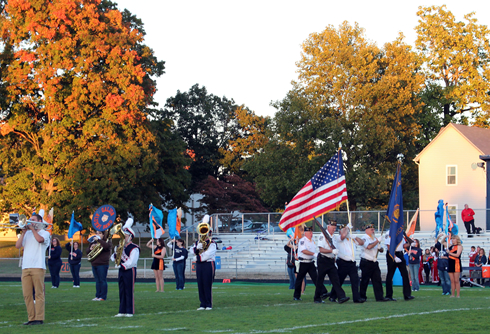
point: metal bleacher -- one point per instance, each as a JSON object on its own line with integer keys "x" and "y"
{"x": 262, "y": 256}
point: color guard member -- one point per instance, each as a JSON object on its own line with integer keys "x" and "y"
{"x": 397, "y": 262}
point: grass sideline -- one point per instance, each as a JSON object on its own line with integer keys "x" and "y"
{"x": 245, "y": 308}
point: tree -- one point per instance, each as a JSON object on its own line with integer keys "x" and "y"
{"x": 75, "y": 132}
{"x": 352, "y": 92}
{"x": 229, "y": 193}
{"x": 250, "y": 140}
{"x": 206, "y": 123}
{"x": 456, "y": 56}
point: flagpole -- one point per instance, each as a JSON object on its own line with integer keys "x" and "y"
{"x": 350, "y": 230}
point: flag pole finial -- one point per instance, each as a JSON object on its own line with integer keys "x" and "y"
{"x": 400, "y": 157}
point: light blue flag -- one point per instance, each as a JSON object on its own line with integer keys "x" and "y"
{"x": 156, "y": 217}
{"x": 172, "y": 224}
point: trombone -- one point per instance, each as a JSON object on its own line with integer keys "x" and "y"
{"x": 20, "y": 222}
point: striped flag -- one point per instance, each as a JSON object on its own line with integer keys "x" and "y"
{"x": 323, "y": 193}
{"x": 156, "y": 217}
{"x": 413, "y": 222}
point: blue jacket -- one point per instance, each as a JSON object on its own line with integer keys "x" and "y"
{"x": 55, "y": 256}
{"x": 76, "y": 259}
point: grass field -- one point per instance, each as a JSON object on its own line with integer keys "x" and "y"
{"x": 245, "y": 308}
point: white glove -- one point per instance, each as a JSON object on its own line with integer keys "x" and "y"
{"x": 199, "y": 246}
{"x": 117, "y": 267}
{"x": 379, "y": 239}
{"x": 397, "y": 260}
{"x": 97, "y": 237}
{"x": 315, "y": 255}
{"x": 335, "y": 251}
{"x": 350, "y": 226}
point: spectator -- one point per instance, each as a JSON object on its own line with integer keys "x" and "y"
{"x": 480, "y": 261}
{"x": 427, "y": 262}
{"x": 472, "y": 255}
{"x": 454, "y": 265}
{"x": 74, "y": 259}
{"x": 469, "y": 222}
{"x": 414, "y": 256}
{"x": 290, "y": 248}
{"x": 54, "y": 263}
{"x": 435, "y": 273}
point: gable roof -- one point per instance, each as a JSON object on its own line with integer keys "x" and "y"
{"x": 478, "y": 137}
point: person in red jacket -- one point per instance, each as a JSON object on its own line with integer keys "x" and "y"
{"x": 469, "y": 222}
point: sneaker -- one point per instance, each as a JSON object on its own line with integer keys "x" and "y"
{"x": 210, "y": 308}
{"x": 95, "y": 299}
{"x": 101, "y": 299}
{"x": 54, "y": 287}
{"x": 76, "y": 286}
{"x": 119, "y": 315}
{"x": 201, "y": 308}
{"x": 129, "y": 315}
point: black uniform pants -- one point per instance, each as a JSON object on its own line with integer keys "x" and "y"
{"x": 126, "y": 281}
{"x": 348, "y": 268}
{"x": 326, "y": 266}
{"x": 205, "y": 277}
{"x": 305, "y": 268}
{"x": 402, "y": 266}
{"x": 370, "y": 271}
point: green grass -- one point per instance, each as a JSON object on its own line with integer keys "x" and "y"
{"x": 245, "y": 308}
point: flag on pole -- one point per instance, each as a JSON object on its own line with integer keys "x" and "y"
{"x": 413, "y": 222}
{"x": 172, "y": 224}
{"x": 324, "y": 192}
{"x": 156, "y": 218}
{"x": 179, "y": 221}
{"x": 395, "y": 211}
{"x": 74, "y": 226}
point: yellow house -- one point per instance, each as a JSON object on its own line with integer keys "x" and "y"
{"x": 450, "y": 169}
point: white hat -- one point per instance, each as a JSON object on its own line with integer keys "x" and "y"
{"x": 127, "y": 227}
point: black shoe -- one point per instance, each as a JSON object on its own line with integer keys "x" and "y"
{"x": 409, "y": 298}
{"x": 27, "y": 323}
{"x": 36, "y": 322}
{"x": 383, "y": 300}
{"x": 319, "y": 302}
{"x": 333, "y": 300}
{"x": 360, "y": 301}
{"x": 325, "y": 295}
{"x": 297, "y": 298}
{"x": 343, "y": 300}
{"x": 391, "y": 299}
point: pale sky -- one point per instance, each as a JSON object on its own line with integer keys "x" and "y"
{"x": 247, "y": 50}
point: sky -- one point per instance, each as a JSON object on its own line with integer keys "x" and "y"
{"x": 247, "y": 50}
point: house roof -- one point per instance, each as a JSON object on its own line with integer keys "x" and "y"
{"x": 478, "y": 137}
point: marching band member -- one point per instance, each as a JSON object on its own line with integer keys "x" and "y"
{"x": 100, "y": 265}
{"x": 205, "y": 254}
{"x": 326, "y": 265}
{"x": 397, "y": 262}
{"x": 306, "y": 256}
{"x": 346, "y": 261}
{"x": 370, "y": 266}
{"x": 35, "y": 241}
{"x": 127, "y": 271}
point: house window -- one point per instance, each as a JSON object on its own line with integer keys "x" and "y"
{"x": 451, "y": 175}
{"x": 453, "y": 210}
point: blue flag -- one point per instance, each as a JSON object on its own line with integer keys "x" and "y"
{"x": 156, "y": 217}
{"x": 172, "y": 224}
{"x": 395, "y": 211}
{"x": 74, "y": 226}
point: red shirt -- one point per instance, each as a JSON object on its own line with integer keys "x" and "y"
{"x": 467, "y": 214}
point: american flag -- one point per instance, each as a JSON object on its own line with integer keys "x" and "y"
{"x": 323, "y": 193}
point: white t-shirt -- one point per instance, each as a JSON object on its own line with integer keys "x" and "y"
{"x": 34, "y": 251}
{"x": 369, "y": 254}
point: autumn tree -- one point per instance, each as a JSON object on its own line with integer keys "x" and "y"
{"x": 456, "y": 56}
{"x": 349, "y": 91}
{"x": 249, "y": 140}
{"x": 206, "y": 123}
{"x": 229, "y": 193}
{"x": 78, "y": 79}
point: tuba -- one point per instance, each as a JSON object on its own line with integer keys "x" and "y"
{"x": 97, "y": 248}
{"x": 203, "y": 230}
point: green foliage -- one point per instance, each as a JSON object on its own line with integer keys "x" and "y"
{"x": 206, "y": 123}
